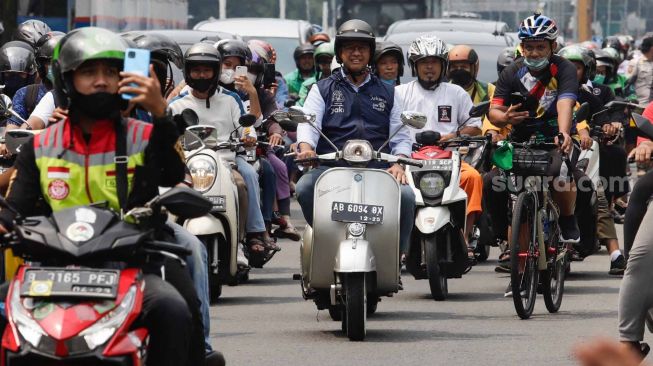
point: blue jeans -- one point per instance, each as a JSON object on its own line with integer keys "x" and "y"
{"x": 306, "y": 187}
{"x": 255, "y": 223}
{"x": 269, "y": 189}
{"x": 198, "y": 267}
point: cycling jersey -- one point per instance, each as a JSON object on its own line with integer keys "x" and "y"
{"x": 542, "y": 93}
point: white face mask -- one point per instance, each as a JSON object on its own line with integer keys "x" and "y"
{"x": 227, "y": 76}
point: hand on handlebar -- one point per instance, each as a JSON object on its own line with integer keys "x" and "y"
{"x": 398, "y": 172}
{"x": 611, "y": 129}
{"x": 642, "y": 153}
{"x": 275, "y": 139}
{"x": 249, "y": 141}
{"x": 513, "y": 116}
{"x": 566, "y": 144}
{"x": 306, "y": 152}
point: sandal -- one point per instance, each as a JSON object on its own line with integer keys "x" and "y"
{"x": 256, "y": 246}
{"x": 270, "y": 244}
{"x": 505, "y": 256}
{"x": 287, "y": 233}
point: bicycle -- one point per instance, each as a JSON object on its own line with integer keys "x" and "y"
{"x": 535, "y": 231}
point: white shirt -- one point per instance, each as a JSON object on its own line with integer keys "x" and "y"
{"x": 224, "y": 111}
{"x": 314, "y": 103}
{"x": 446, "y": 108}
{"x": 44, "y": 108}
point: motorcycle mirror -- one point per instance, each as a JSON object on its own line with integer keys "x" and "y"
{"x": 190, "y": 117}
{"x": 5, "y": 105}
{"x": 415, "y": 120}
{"x": 644, "y": 125}
{"x": 280, "y": 116}
{"x": 296, "y": 114}
{"x": 427, "y": 138}
{"x": 480, "y": 109}
{"x": 288, "y": 125}
{"x": 14, "y": 139}
{"x": 185, "y": 202}
{"x": 583, "y": 112}
{"x": 202, "y": 131}
{"x": 247, "y": 120}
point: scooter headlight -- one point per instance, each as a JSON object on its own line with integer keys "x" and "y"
{"x": 203, "y": 170}
{"x": 432, "y": 185}
{"x": 100, "y": 332}
{"x": 356, "y": 229}
{"x": 357, "y": 151}
{"x": 28, "y": 328}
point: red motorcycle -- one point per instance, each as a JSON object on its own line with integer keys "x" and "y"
{"x": 79, "y": 304}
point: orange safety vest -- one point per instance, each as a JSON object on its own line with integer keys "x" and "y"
{"x": 74, "y": 173}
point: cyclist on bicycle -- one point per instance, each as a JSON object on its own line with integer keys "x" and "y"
{"x": 551, "y": 85}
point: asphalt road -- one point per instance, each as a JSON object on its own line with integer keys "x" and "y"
{"x": 266, "y": 321}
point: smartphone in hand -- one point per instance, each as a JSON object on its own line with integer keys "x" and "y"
{"x": 269, "y": 75}
{"x": 241, "y": 71}
{"x": 137, "y": 61}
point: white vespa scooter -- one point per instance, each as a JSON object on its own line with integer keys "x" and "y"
{"x": 438, "y": 250}
{"x": 210, "y": 163}
{"x": 350, "y": 257}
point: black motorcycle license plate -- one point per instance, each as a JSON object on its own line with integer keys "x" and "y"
{"x": 219, "y": 202}
{"x": 356, "y": 212}
{"x": 60, "y": 282}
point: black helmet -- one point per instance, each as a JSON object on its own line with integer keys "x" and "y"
{"x": 301, "y": 50}
{"x": 17, "y": 56}
{"x": 161, "y": 46}
{"x": 31, "y": 31}
{"x": 505, "y": 59}
{"x": 234, "y": 48}
{"x": 389, "y": 48}
{"x": 354, "y": 30}
{"x": 79, "y": 46}
{"x": 45, "y": 49}
{"x": 203, "y": 53}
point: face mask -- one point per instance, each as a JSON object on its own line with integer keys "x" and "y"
{"x": 13, "y": 82}
{"x": 536, "y": 64}
{"x": 227, "y": 76}
{"x": 201, "y": 85}
{"x": 599, "y": 79}
{"x": 391, "y": 82}
{"x": 461, "y": 77}
{"x": 99, "y": 105}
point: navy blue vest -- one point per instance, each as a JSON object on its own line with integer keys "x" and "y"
{"x": 350, "y": 115}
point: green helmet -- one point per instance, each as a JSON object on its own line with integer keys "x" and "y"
{"x": 582, "y": 55}
{"x": 324, "y": 49}
{"x": 79, "y": 46}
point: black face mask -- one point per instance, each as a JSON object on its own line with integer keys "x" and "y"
{"x": 461, "y": 77}
{"x": 13, "y": 82}
{"x": 99, "y": 105}
{"x": 201, "y": 85}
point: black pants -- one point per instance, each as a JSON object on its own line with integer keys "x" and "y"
{"x": 175, "y": 327}
{"x": 637, "y": 204}
{"x": 613, "y": 169}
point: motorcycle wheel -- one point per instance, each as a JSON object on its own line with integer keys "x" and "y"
{"x": 372, "y": 304}
{"x": 355, "y": 315}
{"x": 215, "y": 279}
{"x": 486, "y": 237}
{"x": 336, "y": 313}
{"x": 437, "y": 281}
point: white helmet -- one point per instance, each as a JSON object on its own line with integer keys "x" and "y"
{"x": 428, "y": 45}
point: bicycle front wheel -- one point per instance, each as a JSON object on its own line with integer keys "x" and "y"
{"x": 553, "y": 281}
{"x": 523, "y": 255}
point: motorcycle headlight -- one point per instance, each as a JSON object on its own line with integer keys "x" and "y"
{"x": 29, "y": 329}
{"x": 100, "y": 332}
{"x": 357, "y": 151}
{"x": 432, "y": 185}
{"x": 203, "y": 170}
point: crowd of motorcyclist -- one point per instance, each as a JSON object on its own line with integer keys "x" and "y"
{"x": 352, "y": 84}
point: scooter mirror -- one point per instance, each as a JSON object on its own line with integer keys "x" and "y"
{"x": 185, "y": 202}
{"x": 480, "y": 109}
{"x": 415, "y": 120}
{"x": 297, "y": 115}
{"x": 280, "y": 116}
{"x": 5, "y": 105}
{"x": 190, "y": 117}
{"x": 14, "y": 139}
{"x": 203, "y": 131}
{"x": 644, "y": 125}
{"x": 288, "y": 125}
{"x": 247, "y": 120}
{"x": 583, "y": 112}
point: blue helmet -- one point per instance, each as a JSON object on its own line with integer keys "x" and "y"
{"x": 538, "y": 27}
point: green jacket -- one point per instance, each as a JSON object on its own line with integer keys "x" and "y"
{"x": 294, "y": 80}
{"x": 305, "y": 88}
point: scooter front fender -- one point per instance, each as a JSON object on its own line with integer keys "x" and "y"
{"x": 430, "y": 219}
{"x": 205, "y": 225}
{"x": 354, "y": 255}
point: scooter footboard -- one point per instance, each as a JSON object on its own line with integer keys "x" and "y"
{"x": 354, "y": 256}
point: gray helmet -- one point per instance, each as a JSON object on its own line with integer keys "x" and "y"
{"x": 45, "y": 49}
{"x": 505, "y": 59}
{"x": 390, "y": 48}
{"x": 355, "y": 30}
{"x": 428, "y": 45}
{"x": 301, "y": 50}
{"x": 17, "y": 56}
{"x": 30, "y": 31}
{"x": 203, "y": 53}
{"x": 161, "y": 46}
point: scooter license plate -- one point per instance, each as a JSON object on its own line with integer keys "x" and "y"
{"x": 356, "y": 212}
{"x": 62, "y": 282}
{"x": 219, "y": 202}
